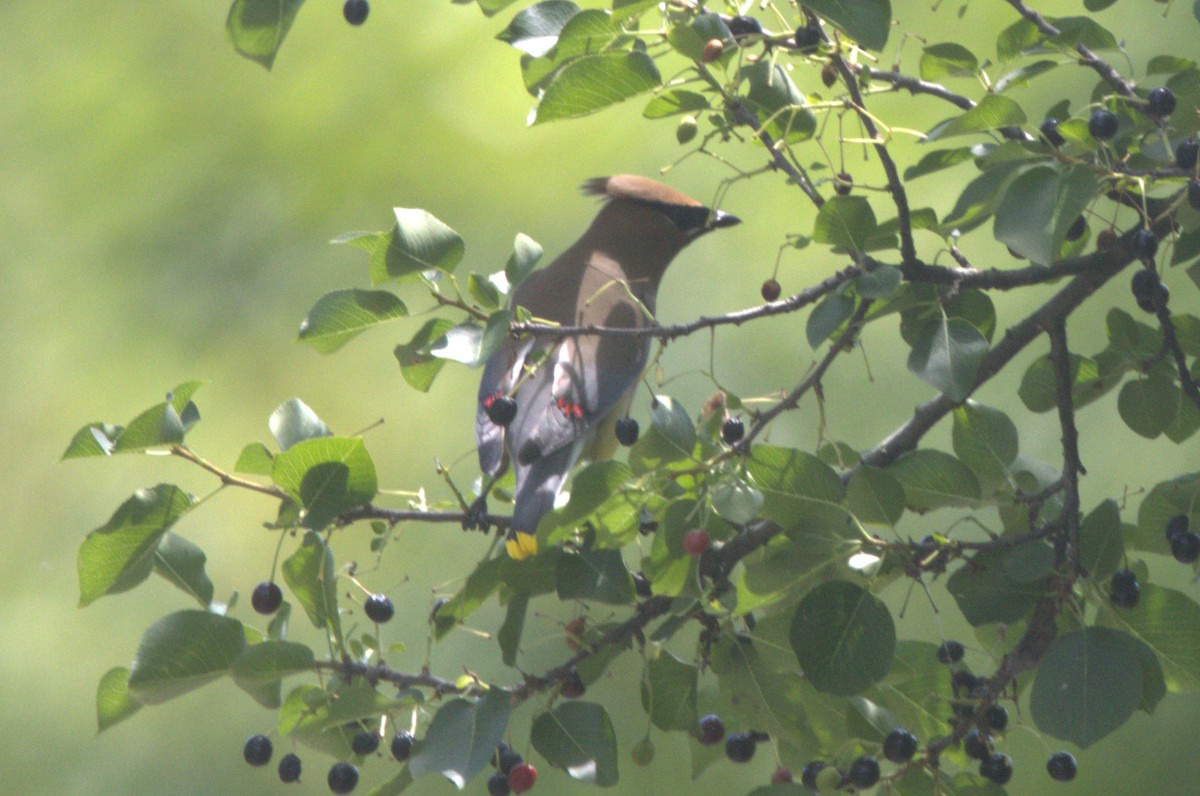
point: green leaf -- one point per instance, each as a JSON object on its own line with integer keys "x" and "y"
{"x": 669, "y": 692}
{"x": 578, "y": 737}
{"x": 868, "y": 22}
{"x": 254, "y": 459}
{"x": 985, "y": 592}
{"x": 94, "y": 439}
{"x": 675, "y": 101}
{"x": 1180, "y": 495}
{"x": 827, "y": 317}
{"x": 119, "y": 554}
{"x": 933, "y": 479}
{"x": 598, "y": 575}
{"x": 312, "y": 578}
{"x": 844, "y": 638}
{"x": 526, "y": 253}
{"x": 472, "y": 344}
{"x": 797, "y": 487}
{"x": 340, "y": 316}
{"x": 326, "y": 476}
{"x": 737, "y": 502}
{"x": 985, "y": 439}
{"x": 1148, "y": 405}
{"x": 845, "y": 222}
{"x": 509, "y": 635}
{"x": 535, "y": 29}
{"x": 938, "y": 160}
{"x": 978, "y": 200}
{"x": 688, "y": 39}
{"x": 1074, "y": 31}
{"x": 257, "y": 28}
{"x": 1037, "y": 390}
{"x": 419, "y": 242}
{"x": 593, "y": 82}
{"x": 162, "y": 424}
{"x": 671, "y": 436}
{"x": 1020, "y": 77}
{"x": 1168, "y": 622}
{"x": 875, "y": 496}
{"x": 183, "y": 651}
{"x": 1168, "y": 64}
{"x": 992, "y": 112}
{"x": 881, "y": 282}
{"x": 260, "y": 668}
{"x": 489, "y": 8}
{"x": 779, "y": 105}
{"x": 463, "y": 736}
{"x": 946, "y": 354}
{"x": 182, "y": 563}
{"x": 1016, "y": 38}
{"x": 418, "y": 366}
{"x": 292, "y": 422}
{"x": 1088, "y": 684}
{"x": 113, "y": 703}
{"x": 947, "y": 60}
{"x": 1040, "y": 206}
{"x": 1101, "y": 546}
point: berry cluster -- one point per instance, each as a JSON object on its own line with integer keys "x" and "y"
{"x": 512, "y": 775}
{"x": 342, "y": 778}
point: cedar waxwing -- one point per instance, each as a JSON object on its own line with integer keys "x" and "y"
{"x": 568, "y": 401}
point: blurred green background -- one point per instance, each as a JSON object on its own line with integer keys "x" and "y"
{"x": 165, "y": 211}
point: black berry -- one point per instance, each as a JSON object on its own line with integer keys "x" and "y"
{"x": 951, "y": 652}
{"x": 1143, "y": 284}
{"x": 844, "y": 184}
{"x": 1124, "y": 589}
{"x": 1077, "y": 229}
{"x": 257, "y": 750}
{"x": 977, "y": 745}
{"x": 807, "y": 38}
{"x": 808, "y": 775}
{"x": 498, "y": 785}
{"x": 1186, "y": 547}
{"x": 770, "y": 290}
{"x": 1061, "y": 766}
{"x": 1193, "y": 194}
{"x": 506, "y": 758}
{"x": 266, "y": 597}
{"x": 289, "y": 768}
{"x": 739, "y": 747}
{"x": 1105, "y": 240}
{"x": 1102, "y": 124}
{"x": 829, "y": 75}
{"x": 1161, "y": 101}
{"x": 572, "y": 686}
{"x": 996, "y": 718}
{"x": 966, "y": 682}
{"x": 1186, "y": 152}
{"x": 1177, "y": 525}
{"x": 355, "y": 12}
{"x": 379, "y": 608}
{"x": 1049, "y": 130}
{"x": 342, "y": 778}
{"x": 500, "y": 409}
{"x": 732, "y": 430}
{"x": 900, "y": 745}
{"x": 1145, "y": 244}
{"x": 744, "y": 26}
{"x": 402, "y": 745}
{"x": 710, "y": 730}
{"x": 365, "y": 743}
{"x": 627, "y": 431}
{"x": 642, "y": 587}
{"x": 864, "y": 772}
{"x": 997, "y": 768}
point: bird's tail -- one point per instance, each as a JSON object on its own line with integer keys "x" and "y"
{"x": 538, "y": 485}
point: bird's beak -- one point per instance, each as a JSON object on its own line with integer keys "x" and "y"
{"x": 719, "y": 219}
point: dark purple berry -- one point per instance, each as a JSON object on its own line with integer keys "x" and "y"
{"x": 977, "y": 745}
{"x": 266, "y": 597}
{"x": 1186, "y": 547}
{"x": 627, "y": 431}
{"x": 864, "y": 772}
{"x": 497, "y": 785}
{"x": 379, "y": 608}
{"x": 1061, "y": 766}
{"x": 1049, "y": 130}
{"x": 1186, "y": 152}
{"x": 355, "y": 12}
{"x": 739, "y": 747}
{"x": 844, "y": 184}
{"x": 1102, "y": 124}
{"x": 807, "y": 38}
{"x": 1177, "y": 525}
{"x": 965, "y": 682}
{"x": 732, "y": 430}
{"x": 289, "y": 768}
{"x": 257, "y": 750}
{"x": 506, "y": 758}
{"x": 744, "y": 26}
{"x": 342, "y": 778}
{"x": 900, "y": 745}
{"x": 770, "y": 290}
{"x": 1145, "y": 244}
{"x": 1077, "y": 229}
{"x": 996, "y": 718}
{"x": 951, "y": 652}
{"x": 365, "y": 743}
{"x": 997, "y": 768}
{"x": 500, "y": 409}
{"x": 1144, "y": 283}
{"x": 808, "y": 775}
{"x": 1161, "y": 101}
{"x": 1124, "y": 589}
{"x": 402, "y": 744}
{"x": 710, "y": 730}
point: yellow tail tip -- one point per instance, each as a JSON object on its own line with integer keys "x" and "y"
{"x": 521, "y": 546}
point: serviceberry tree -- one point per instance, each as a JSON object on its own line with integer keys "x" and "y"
{"x": 745, "y": 574}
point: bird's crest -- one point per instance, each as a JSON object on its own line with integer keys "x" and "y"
{"x": 639, "y": 189}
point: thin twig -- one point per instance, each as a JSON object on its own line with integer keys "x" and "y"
{"x": 1171, "y": 343}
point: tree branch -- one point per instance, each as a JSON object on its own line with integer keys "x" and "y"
{"x": 1067, "y": 544}
{"x": 1171, "y": 343}
{"x": 1087, "y": 57}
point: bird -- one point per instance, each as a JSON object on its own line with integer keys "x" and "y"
{"x": 569, "y": 390}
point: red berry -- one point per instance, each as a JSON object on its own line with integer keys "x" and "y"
{"x": 771, "y": 289}
{"x": 781, "y": 776}
{"x": 522, "y": 777}
{"x": 713, "y": 49}
{"x": 695, "y": 542}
